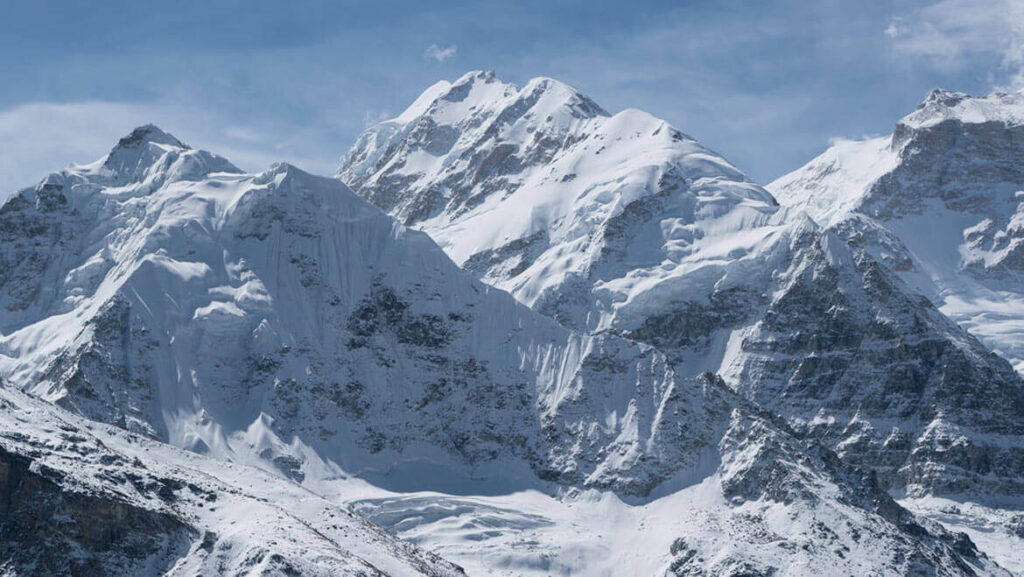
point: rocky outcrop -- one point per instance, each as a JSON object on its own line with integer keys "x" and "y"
{"x": 80, "y": 498}
{"x": 765, "y": 471}
{"x": 939, "y": 202}
{"x": 46, "y": 530}
{"x": 852, "y": 358}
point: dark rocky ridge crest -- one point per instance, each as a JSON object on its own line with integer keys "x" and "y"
{"x": 146, "y": 134}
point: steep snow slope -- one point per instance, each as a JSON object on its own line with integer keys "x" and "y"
{"x": 83, "y": 498}
{"x": 278, "y": 320}
{"x": 619, "y": 224}
{"x": 540, "y": 192}
{"x": 941, "y": 201}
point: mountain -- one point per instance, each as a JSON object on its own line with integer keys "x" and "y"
{"x": 941, "y": 202}
{"x": 276, "y": 320}
{"x": 278, "y": 317}
{"x": 540, "y": 192}
{"x": 620, "y": 224}
{"x": 84, "y": 498}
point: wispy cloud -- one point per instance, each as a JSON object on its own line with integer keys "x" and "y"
{"x": 1013, "y": 58}
{"x": 440, "y": 54}
{"x": 371, "y": 117}
{"x": 895, "y": 28}
{"x": 949, "y": 33}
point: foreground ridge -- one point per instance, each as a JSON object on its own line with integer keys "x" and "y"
{"x": 86, "y": 498}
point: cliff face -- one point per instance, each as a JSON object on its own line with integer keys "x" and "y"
{"x": 939, "y": 202}
{"x": 45, "y": 530}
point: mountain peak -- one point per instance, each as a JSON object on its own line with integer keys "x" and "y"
{"x": 131, "y": 157}
{"x": 476, "y": 107}
{"x": 566, "y": 94}
{"x": 551, "y": 184}
{"x": 150, "y": 152}
{"x": 942, "y": 97}
{"x": 474, "y": 76}
{"x": 149, "y": 133}
{"x": 481, "y": 92}
{"x": 946, "y": 105}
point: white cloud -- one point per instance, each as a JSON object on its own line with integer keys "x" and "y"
{"x": 894, "y": 29}
{"x": 440, "y": 54}
{"x": 1013, "y": 58}
{"x": 949, "y": 33}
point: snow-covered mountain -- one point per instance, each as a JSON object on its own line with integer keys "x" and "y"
{"x": 941, "y": 202}
{"x": 85, "y": 498}
{"x": 540, "y": 192}
{"x": 620, "y": 224}
{"x": 298, "y": 309}
{"x": 277, "y": 320}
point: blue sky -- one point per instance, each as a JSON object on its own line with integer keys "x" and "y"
{"x": 765, "y": 83}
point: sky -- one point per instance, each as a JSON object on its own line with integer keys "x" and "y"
{"x": 768, "y": 84}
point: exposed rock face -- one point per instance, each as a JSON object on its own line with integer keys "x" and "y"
{"x": 943, "y": 196}
{"x": 47, "y": 531}
{"x": 770, "y": 468}
{"x": 853, "y": 358}
{"x": 33, "y": 226}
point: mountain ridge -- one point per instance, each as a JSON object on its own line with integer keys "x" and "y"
{"x": 937, "y": 202}
{"x": 699, "y": 264}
